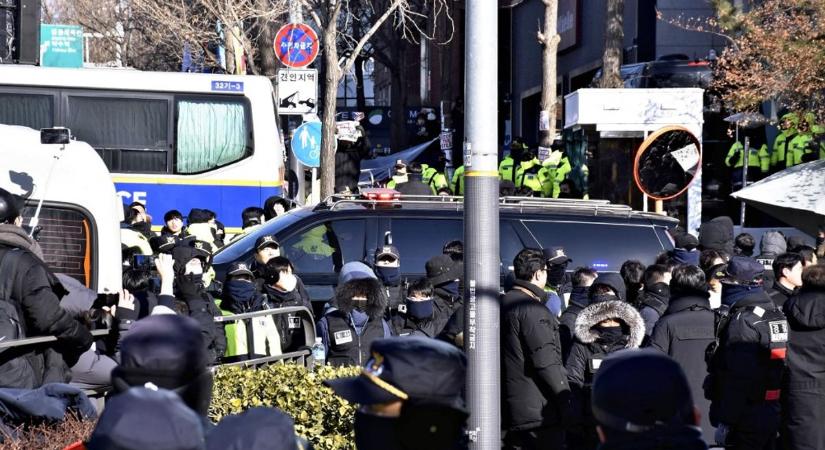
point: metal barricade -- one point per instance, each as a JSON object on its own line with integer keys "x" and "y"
{"x": 301, "y": 356}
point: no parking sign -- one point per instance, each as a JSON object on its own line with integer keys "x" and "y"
{"x": 296, "y": 45}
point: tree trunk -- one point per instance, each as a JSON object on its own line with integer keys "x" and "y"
{"x": 331, "y": 79}
{"x": 613, "y": 46}
{"x": 549, "y": 38}
{"x": 360, "y": 96}
{"x": 398, "y": 137}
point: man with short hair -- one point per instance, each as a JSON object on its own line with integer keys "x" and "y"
{"x": 583, "y": 278}
{"x": 787, "y": 270}
{"x": 654, "y": 414}
{"x": 535, "y": 391}
{"x": 252, "y": 216}
{"x": 743, "y": 244}
{"x": 656, "y": 295}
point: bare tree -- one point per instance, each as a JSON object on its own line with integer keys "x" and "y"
{"x": 613, "y": 45}
{"x": 549, "y": 38}
{"x": 335, "y": 19}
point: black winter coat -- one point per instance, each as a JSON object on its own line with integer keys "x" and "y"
{"x": 404, "y": 325}
{"x": 34, "y": 294}
{"x": 202, "y": 307}
{"x": 779, "y": 294}
{"x": 654, "y": 300}
{"x": 743, "y": 370}
{"x": 567, "y": 321}
{"x": 535, "y": 388}
{"x": 414, "y": 185}
{"x": 348, "y": 164}
{"x": 684, "y": 333}
{"x": 804, "y": 389}
{"x": 445, "y": 305}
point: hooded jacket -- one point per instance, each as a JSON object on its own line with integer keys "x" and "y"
{"x": 772, "y": 245}
{"x": 717, "y": 234}
{"x": 347, "y": 331}
{"x": 567, "y": 322}
{"x": 612, "y": 280}
{"x": 534, "y": 390}
{"x": 804, "y": 390}
{"x": 684, "y": 332}
{"x": 33, "y": 300}
{"x": 594, "y": 343}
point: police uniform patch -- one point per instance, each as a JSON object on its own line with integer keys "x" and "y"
{"x": 295, "y": 322}
{"x": 779, "y": 330}
{"x": 342, "y": 337}
{"x": 758, "y": 311}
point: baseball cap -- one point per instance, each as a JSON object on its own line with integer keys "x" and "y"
{"x": 163, "y": 244}
{"x": 555, "y": 255}
{"x": 239, "y": 268}
{"x": 387, "y": 250}
{"x": 743, "y": 270}
{"x": 266, "y": 241}
{"x": 664, "y": 399}
{"x": 417, "y": 370}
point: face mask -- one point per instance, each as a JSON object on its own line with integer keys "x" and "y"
{"x": 375, "y": 432}
{"x": 196, "y": 279}
{"x": 420, "y": 309}
{"x": 555, "y": 274}
{"x": 240, "y": 291}
{"x": 451, "y": 288}
{"x": 359, "y": 305}
{"x": 193, "y": 268}
{"x": 287, "y": 282}
{"x": 390, "y": 276}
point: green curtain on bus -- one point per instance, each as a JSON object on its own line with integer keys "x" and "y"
{"x": 209, "y": 134}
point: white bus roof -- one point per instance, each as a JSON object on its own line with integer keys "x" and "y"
{"x": 80, "y": 178}
{"x": 129, "y": 79}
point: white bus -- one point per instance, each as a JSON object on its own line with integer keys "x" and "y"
{"x": 170, "y": 140}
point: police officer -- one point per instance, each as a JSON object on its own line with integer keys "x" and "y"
{"x": 457, "y": 183}
{"x": 433, "y": 178}
{"x": 556, "y": 168}
{"x": 388, "y": 270}
{"x": 656, "y": 412}
{"x": 558, "y": 282}
{"x": 356, "y": 317}
{"x": 530, "y": 173}
{"x": 759, "y": 162}
{"x": 507, "y": 166}
{"x": 399, "y": 174}
{"x": 802, "y": 146}
{"x": 266, "y": 248}
{"x": 410, "y": 394}
{"x": 781, "y": 144}
{"x": 745, "y": 370}
{"x": 30, "y": 298}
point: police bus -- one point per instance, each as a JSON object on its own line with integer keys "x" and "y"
{"x": 170, "y": 140}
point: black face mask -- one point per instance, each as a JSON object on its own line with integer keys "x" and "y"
{"x": 555, "y": 274}
{"x": 375, "y": 432}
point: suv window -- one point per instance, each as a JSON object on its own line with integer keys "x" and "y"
{"x": 326, "y": 247}
{"x": 602, "y": 246}
{"x": 418, "y": 240}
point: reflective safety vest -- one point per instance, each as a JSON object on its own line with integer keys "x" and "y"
{"x": 801, "y": 145}
{"x": 266, "y": 337}
{"x": 556, "y": 168}
{"x": 433, "y": 178}
{"x": 131, "y": 238}
{"x": 530, "y": 174}
{"x": 757, "y": 158}
{"x": 505, "y": 169}
{"x": 396, "y": 180}
{"x": 457, "y": 184}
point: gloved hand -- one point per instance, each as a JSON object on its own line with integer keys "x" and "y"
{"x": 721, "y": 434}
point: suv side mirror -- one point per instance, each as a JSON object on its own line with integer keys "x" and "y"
{"x": 58, "y": 135}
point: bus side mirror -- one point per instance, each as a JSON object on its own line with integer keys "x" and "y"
{"x": 57, "y": 135}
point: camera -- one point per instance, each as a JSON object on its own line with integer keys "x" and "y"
{"x": 143, "y": 262}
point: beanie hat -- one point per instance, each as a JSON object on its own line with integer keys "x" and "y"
{"x": 663, "y": 400}
{"x": 142, "y": 418}
{"x": 169, "y": 352}
{"x": 441, "y": 269}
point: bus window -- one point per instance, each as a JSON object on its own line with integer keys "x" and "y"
{"x": 66, "y": 241}
{"x": 28, "y": 110}
{"x": 131, "y": 134}
{"x": 210, "y": 133}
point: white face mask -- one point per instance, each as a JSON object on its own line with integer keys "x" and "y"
{"x": 193, "y": 267}
{"x": 287, "y": 282}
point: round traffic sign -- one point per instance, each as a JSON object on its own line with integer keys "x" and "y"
{"x": 296, "y": 45}
{"x": 306, "y": 144}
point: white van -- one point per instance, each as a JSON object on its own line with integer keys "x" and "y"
{"x": 81, "y": 211}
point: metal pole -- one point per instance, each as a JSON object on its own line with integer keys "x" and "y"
{"x": 481, "y": 231}
{"x": 746, "y": 152}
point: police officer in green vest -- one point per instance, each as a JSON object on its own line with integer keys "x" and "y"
{"x": 759, "y": 161}
{"x": 530, "y": 173}
{"x": 556, "y": 168}
{"x": 457, "y": 183}
{"x": 802, "y": 146}
{"x": 433, "y": 178}
{"x": 788, "y": 125}
{"x": 399, "y": 174}
{"x": 506, "y": 169}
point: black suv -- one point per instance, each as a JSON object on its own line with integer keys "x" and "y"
{"x": 320, "y": 240}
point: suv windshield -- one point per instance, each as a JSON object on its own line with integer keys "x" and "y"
{"x": 239, "y": 247}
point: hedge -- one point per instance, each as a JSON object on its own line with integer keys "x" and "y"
{"x": 320, "y": 416}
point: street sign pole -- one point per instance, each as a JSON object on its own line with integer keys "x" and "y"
{"x": 481, "y": 230}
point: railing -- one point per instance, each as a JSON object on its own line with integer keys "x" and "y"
{"x": 302, "y": 356}
{"x": 42, "y": 340}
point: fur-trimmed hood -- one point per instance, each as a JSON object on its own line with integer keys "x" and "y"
{"x": 376, "y": 298}
{"x": 621, "y": 311}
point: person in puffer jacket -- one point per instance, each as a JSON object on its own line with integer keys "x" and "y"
{"x": 772, "y": 245}
{"x": 601, "y": 329}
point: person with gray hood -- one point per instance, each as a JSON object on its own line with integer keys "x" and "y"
{"x": 772, "y": 245}
{"x": 355, "y": 318}
{"x": 602, "y": 328}
{"x": 717, "y": 234}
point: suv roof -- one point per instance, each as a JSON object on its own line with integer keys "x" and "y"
{"x": 573, "y": 207}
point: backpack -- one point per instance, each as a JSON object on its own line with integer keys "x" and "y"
{"x": 17, "y": 365}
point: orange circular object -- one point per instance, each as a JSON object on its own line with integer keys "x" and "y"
{"x": 648, "y": 142}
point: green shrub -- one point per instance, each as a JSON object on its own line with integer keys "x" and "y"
{"x": 320, "y": 416}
